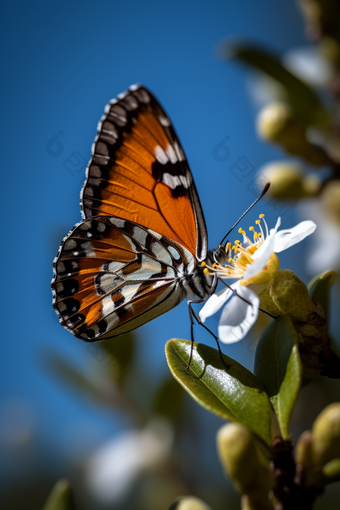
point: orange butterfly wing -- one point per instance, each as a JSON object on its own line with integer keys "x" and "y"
{"x": 112, "y": 276}
{"x": 139, "y": 172}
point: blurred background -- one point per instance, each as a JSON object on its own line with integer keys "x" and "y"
{"x": 110, "y": 418}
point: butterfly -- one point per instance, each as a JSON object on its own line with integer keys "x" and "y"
{"x": 142, "y": 245}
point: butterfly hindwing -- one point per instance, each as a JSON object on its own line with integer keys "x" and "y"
{"x": 138, "y": 171}
{"x": 112, "y": 275}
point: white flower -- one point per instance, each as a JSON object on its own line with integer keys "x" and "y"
{"x": 117, "y": 465}
{"x": 254, "y": 262}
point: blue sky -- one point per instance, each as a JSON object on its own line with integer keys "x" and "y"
{"x": 63, "y": 62}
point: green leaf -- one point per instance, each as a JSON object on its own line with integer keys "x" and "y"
{"x": 61, "y": 497}
{"x": 75, "y": 378}
{"x": 189, "y": 503}
{"x": 234, "y": 394}
{"x": 278, "y": 368}
{"x": 319, "y": 287}
{"x": 299, "y": 94}
{"x": 118, "y": 354}
{"x": 169, "y": 399}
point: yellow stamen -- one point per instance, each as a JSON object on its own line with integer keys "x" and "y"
{"x": 261, "y": 216}
{"x": 203, "y": 264}
{"x": 214, "y": 265}
{"x": 240, "y": 230}
{"x": 257, "y": 222}
{"x": 237, "y": 241}
{"x": 206, "y": 270}
{"x": 230, "y": 261}
{"x": 251, "y": 228}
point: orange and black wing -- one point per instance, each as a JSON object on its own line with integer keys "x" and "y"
{"x": 112, "y": 275}
{"x": 138, "y": 172}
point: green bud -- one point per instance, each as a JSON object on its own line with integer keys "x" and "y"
{"x": 248, "y": 503}
{"x": 267, "y": 302}
{"x": 311, "y": 186}
{"x": 61, "y": 497}
{"x": 243, "y": 461}
{"x": 290, "y": 295}
{"x": 321, "y": 17}
{"x": 332, "y": 470}
{"x": 278, "y": 123}
{"x": 330, "y": 199}
{"x": 189, "y": 503}
{"x": 286, "y": 180}
{"x": 331, "y": 49}
{"x": 304, "y": 456}
{"x": 326, "y": 434}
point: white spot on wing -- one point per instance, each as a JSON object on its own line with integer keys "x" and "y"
{"x": 161, "y": 156}
{"x": 164, "y": 121}
{"x": 59, "y": 287}
{"x": 179, "y": 152}
{"x": 86, "y": 225}
{"x": 113, "y": 266}
{"x": 70, "y": 244}
{"x": 140, "y": 235}
{"x": 174, "y": 253}
{"x": 171, "y": 153}
{"x": 101, "y": 227}
{"x": 171, "y": 180}
{"x": 60, "y": 267}
{"x": 108, "y": 305}
{"x": 117, "y": 222}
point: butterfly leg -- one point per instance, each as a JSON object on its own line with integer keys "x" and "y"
{"x": 193, "y": 315}
{"x": 234, "y": 291}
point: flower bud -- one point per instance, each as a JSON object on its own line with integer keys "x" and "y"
{"x": 189, "y": 503}
{"x": 321, "y": 17}
{"x": 331, "y": 49}
{"x": 248, "y": 503}
{"x": 326, "y": 435}
{"x": 331, "y": 200}
{"x": 278, "y": 123}
{"x": 245, "y": 463}
{"x": 267, "y": 303}
{"x": 311, "y": 186}
{"x": 304, "y": 456}
{"x": 290, "y": 295}
{"x": 286, "y": 180}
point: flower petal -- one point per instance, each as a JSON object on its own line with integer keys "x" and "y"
{"x": 287, "y": 238}
{"x": 214, "y": 303}
{"x": 262, "y": 255}
{"x": 238, "y": 316}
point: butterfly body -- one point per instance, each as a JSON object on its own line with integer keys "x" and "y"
{"x": 139, "y": 250}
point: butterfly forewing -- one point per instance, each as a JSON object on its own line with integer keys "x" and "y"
{"x": 139, "y": 172}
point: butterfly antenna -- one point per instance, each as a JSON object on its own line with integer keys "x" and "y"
{"x": 264, "y": 191}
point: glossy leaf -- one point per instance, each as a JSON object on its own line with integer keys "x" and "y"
{"x": 234, "y": 394}
{"x": 319, "y": 288}
{"x": 61, "y": 497}
{"x": 189, "y": 503}
{"x": 278, "y": 368}
{"x": 299, "y": 94}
